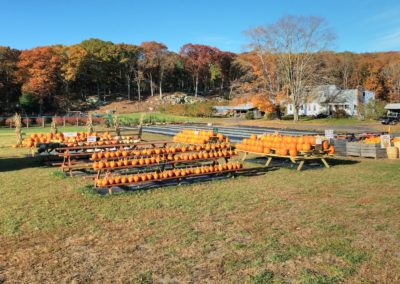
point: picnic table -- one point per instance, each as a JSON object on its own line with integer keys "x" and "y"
{"x": 302, "y": 158}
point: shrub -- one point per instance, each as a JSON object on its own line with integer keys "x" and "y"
{"x": 58, "y": 120}
{"x": 249, "y": 115}
{"x": 28, "y": 102}
{"x": 27, "y": 121}
{"x": 199, "y": 109}
{"x": 98, "y": 120}
{"x": 375, "y": 109}
{"x": 340, "y": 113}
{"x": 82, "y": 120}
{"x": 70, "y": 120}
{"x": 9, "y": 121}
{"x": 2, "y": 121}
{"x": 39, "y": 120}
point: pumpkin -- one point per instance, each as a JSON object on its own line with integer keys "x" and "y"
{"x": 267, "y": 150}
{"x": 124, "y": 180}
{"x": 149, "y": 176}
{"x": 130, "y": 179}
{"x": 112, "y": 164}
{"x": 126, "y": 163}
{"x": 253, "y": 137}
{"x": 95, "y": 165}
{"x": 331, "y": 150}
{"x": 100, "y": 155}
{"x": 112, "y": 154}
{"x": 94, "y": 155}
{"x": 155, "y": 176}
{"x": 143, "y": 177}
{"x": 104, "y": 182}
{"x": 101, "y": 165}
{"x": 106, "y": 155}
{"x": 306, "y": 147}
{"x": 197, "y": 171}
{"x": 136, "y": 178}
{"x": 152, "y": 160}
{"x": 124, "y": 154}
{"x": 165, "y": 175}
{"x": 134, "y": 162}
{"x": 293, "y": 152}
{"x": 325, "y": 145}
{"x": 117, "y": 179}
{"x": 120, "y": 163}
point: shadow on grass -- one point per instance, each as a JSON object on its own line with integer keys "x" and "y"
{"x": 152, "y": 185}
{"x": 19, "y": 163}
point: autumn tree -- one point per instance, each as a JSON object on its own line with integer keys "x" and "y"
{"x": 391, "y": 73}
{"x": 39, "y": 70}
{"x": 295, "y": 40}
{"x": 198, "y": 59}
{"x": 155, "y": 55}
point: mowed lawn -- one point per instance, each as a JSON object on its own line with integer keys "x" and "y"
{"x": 283, "y": 226}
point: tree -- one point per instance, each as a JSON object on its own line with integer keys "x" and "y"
{"x": 295, "y": 40}
{"x": 128, "y": 58}
{"x": 39, "y": 70}
{"x": 9, "y": 85}
{"x": 154, "y": 62}
{"x": 392, "y": 74}
{"x": 198, "y": 59}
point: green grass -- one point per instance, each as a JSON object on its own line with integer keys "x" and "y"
{"x": 316, "y": 226}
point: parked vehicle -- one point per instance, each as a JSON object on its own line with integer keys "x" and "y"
{"x": 391, "y": 118}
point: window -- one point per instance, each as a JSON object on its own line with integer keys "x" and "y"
{"x": 315, "y": 107}
{"x": 301, "y": 107}
{"x": 346, "y": 106}
{"x": 290, "y": 107}
{"x": 309, "y": 107}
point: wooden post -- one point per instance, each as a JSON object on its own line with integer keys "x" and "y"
{"x": 18, "y": 124}
{"x": 77, "y": 121}
{"x": 64, "y": 120}
{"x": 53, "y": 126}
{"x": 89, "y": 124}
{"x": 43, "y": 121}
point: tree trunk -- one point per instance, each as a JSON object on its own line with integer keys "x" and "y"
{"x": 98, "y": 89}
{"x": 151, "y": 85}
{"x": 138, "y": 86}
{"x": 160, "y": 88}
{"x": 128, "y": 84}
{"x": 295, "y": 113}
{"x": 196, "y": 85}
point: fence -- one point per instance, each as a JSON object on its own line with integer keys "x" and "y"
{"x": 42, "y": 121}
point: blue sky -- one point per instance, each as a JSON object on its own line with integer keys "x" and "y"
{"x": 360, "y": 25}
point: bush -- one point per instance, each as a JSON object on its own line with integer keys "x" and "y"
{"x": 9, "y": 121}
{"x": 58, "y": 120}
{"x": 288, "y": 117}
{"x": 70, "y": 120}
{"x": 2, "y": 121}
{"x": 39, "y": 120}
{"x": 249, "y": 115}
{"x": 199, "y": 109}
{"x": 98, "y": 120}
{"x": 340, "y": 113}
{"x": 82, "y": 120}
{"x": 27, "y": 121}
{"x": 375, "y": 109}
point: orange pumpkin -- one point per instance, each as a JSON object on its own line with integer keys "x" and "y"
{"x": 136, "y": 178}
{"x": 306, "y": 147}
{"x": 101, "y": 165}
{"x": 331, "y": 150}
{"x": 293, "y": 152}
{"x": 325, "y": 145}
{"x": 94, "y": 155}
{"x": 124, "y": 180}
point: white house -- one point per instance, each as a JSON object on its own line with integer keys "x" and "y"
{"x": 329, "y": 98}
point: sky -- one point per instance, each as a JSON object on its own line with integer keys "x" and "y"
{"x": 360, "y": 25}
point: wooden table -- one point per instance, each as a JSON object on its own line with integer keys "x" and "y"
{"x": 301, "y": 159}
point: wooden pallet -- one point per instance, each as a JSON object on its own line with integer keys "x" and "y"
{"x": 340, "y": 147}
{"x": 353, "y": 149}
{"x": 373, "y": 151}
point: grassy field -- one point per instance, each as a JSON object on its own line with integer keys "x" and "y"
{"x": 283, "y": 226}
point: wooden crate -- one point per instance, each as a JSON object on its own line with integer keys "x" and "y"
{"x": 353, "y": 149}
{"x": 340, "y": 147}
{"x": 373, "y": 151}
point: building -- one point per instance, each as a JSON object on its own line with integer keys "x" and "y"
{"x": 327, "y": 99}
{"x": 238, "y": 111}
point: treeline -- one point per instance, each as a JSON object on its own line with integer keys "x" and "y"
{"x": 51, "y": 78}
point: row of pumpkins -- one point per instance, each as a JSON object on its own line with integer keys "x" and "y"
{"x": 158, "y": 151}
{"x": 282, "y": 145}
{"x": 162, "y": 158}
{"x": 377, "y": 140}
{"x": 80, "y": 139}
{"x": 199, "y": 136}
{"x": 174, "y": 173}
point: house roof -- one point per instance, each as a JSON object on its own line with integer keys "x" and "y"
{"x": 247, "y": 106}
{"x": 392, "y": 106}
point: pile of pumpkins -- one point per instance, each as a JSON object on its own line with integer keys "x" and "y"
{"x": 156, "y": 159}
{"x": 122, "y": 153}
{"x": 199, "y": 136}
{"x": 173, "y": 173}
{"x": 79, "y": 140}
{"x": 377, "y": 140}
{"x": 282, "y": 145}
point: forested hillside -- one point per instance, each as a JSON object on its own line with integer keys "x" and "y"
{"x": 50, "y": 78}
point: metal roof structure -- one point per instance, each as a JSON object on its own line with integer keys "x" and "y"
{"x": 393, "y": 106}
